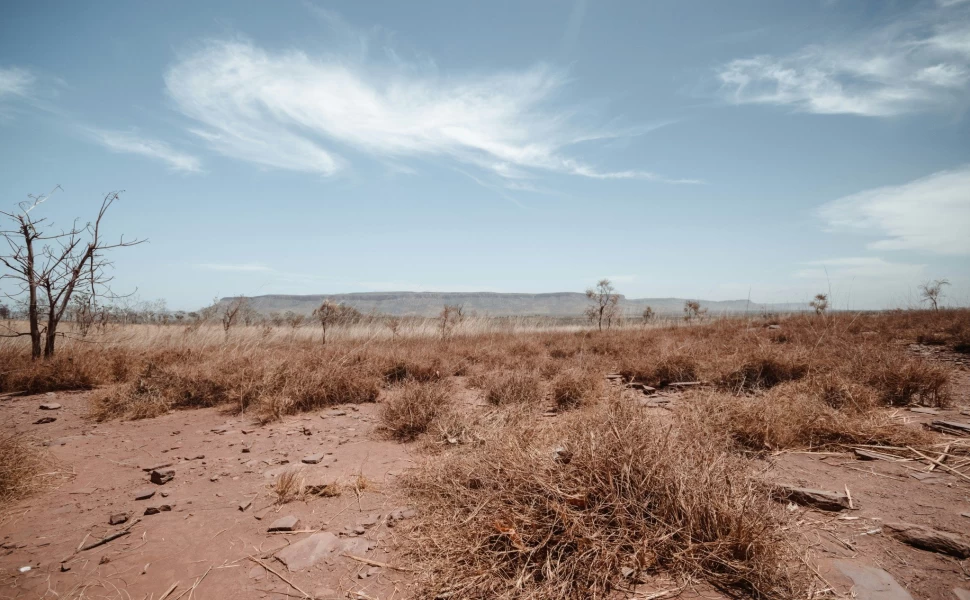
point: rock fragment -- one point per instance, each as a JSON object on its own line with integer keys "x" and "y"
{"x": 144, "y": 494}
{"x": 162, "y": 476}
{"x": 926, "y": 538}
{"x": 287, "y": 523}
{"x": 820, "y": 499}
{"x": 118, "y": 519}
{"x": 50, "y": 406}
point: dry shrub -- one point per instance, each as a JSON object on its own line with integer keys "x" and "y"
{"x": 901, "y": 379}
{"x": 275, "y": 385}
{"x": 763, "y": 371}
{"x": 962, "y": 346}
{"x": 790, "y": 417}
{"x": 37, "y": 377}
{"x": 663, "y": 370}
{"x": 412, "y": 412}
{"x": 513, "y": 387}
{"x": 576, "y": 387}
{"x": 21, "y": 468}
{"x": 557, "y": 512}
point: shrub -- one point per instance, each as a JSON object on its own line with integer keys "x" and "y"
{"x": 20, "y": 469}
{"x": 662, "y": 371}
{"x": 411, "y": 412}
{"x": 513, "y": 387}
{"x": 763, "y": 372}
{"x": 559, "y": 512}
{"x": 576, "y": 387}
{"x": 900, "y": 380}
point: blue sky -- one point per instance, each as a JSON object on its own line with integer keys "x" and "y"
{"x": 691, "y": 149}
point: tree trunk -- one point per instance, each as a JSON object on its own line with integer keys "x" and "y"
{"x": 32, "y": 316}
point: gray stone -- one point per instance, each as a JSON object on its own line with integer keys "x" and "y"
{"x": 162, "y": 476}
{"x": 925, "y": 538}
{"x": 870, "y": 583}
{"x": 313, "y": 459}
{"x": 154, "y": 510}
{"x": 319, "y": 546}
{"x": 961, "y": 594}
{"x": 245, "y": 504}
{"x": 50, "y": 406}
{"x": 118, "y": 519}
{"x": 820, "y": 499}
{"x": 44, "y": 420}
{"x": 287, "y": 523}
{"x": 144, "y": 494}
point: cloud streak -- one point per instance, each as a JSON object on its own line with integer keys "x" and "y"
{"x": 289, "y": 110}
{"x": 914, "y": 65}
{"x": 131, "y": 143}
{"x": 235, "y": 267}
{"x": 15, "y": 81}
{"x": 931, "y": 214}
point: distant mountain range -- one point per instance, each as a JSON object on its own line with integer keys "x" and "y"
{"x": 558, "y": 304}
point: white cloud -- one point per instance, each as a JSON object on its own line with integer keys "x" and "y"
{"x": 237, "y": 268}
{"x": 293, "y": 111}
{"x": 863, "y": 267}
{"x": 15, "y": 81}
{"x": 914, "y": 65}
{"x": 131, "y": 143}
{"x": 930, "y": 214}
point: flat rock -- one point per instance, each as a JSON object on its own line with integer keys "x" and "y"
{"x": 245, "y": 504}
{"x": 319, "y": 546}
{"x": 925, "y": 538}
{"x": 50, "y": 406}
{"x": 820, "y": 499}
{"x": 961, "y": 593}
{"x": 287, "y": 523}
{"x": 154, "y": 510}
{"x": 871, "y": 583}
{"x": 144, "y": 494}
{"x": 313, "y": 459}
{"x": 862, "y": 454}
{"x": 162, "y": 476}
{"x": 924, "y": 410}
{"x": 44, "y": 420}
{"x": 118, "y": 519}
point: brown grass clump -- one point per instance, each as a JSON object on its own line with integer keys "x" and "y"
{"x": 791, "y": 416}
{"x": 763, "y": 371}
{"x": 513, "y": 387}
{"x": 902, "y": 380}
{"x": 576, "y": 387}
{"x": 289, "y": 486}
{"x": 662, "y": 370}
{"x": 21, "y": 468}
{"x": 558, "y": 512}
{"x": 411, "y": 412}
{"x": 37, "y": 377}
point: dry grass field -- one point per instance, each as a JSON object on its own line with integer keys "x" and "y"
{"x": 543, "y": 461}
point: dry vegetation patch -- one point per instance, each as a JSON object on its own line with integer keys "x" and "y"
{"x": 23, "y": 469}
{"x": 411, "y": 412}
{"x": 558, "y": 511}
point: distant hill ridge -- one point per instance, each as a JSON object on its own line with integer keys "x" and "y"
{"x": 555, "y": 304}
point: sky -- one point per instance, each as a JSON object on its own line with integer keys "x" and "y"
{"x": 754, "y": 149}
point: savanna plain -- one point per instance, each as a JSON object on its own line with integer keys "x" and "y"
{"x": 779, "y": 456}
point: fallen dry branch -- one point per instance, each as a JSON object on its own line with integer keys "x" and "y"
{"x": 110, "y": 538}
{"x": 274, "y": 572}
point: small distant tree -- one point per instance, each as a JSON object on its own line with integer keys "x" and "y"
{"x": 293, "y": 319}
{"x": 451, "y": 316}
{"x": 932, "y": 292}
{"x": 83, "y": 313}
{"x": 232, "y": 312}
{"x": 693, "y": 310}
{"x": 820, "y": 303}
{"x": 648, "y": 314}
{"x": 327, "y": 313}
{"x": 4, "y": 312}
{"x": 51, "y": 267}
{"x": 605, "y": 304}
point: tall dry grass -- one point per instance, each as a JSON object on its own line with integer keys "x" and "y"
{"x": 23, "y": 469}
{"x": 560, "y": 511}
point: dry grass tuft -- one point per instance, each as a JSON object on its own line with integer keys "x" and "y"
{"x": 513, "y": 387}
{"x": 289, "y": 486}
{"x": 21, "y": 469}
{"x": 557, "y": 512}
{"x": 412, "y": 412}
{"x": 576, "y": 387}
{"x": 791, "y": 416}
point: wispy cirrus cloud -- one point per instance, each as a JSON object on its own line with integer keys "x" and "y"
{"x": 917, "y": 64}
{"x": 290, "y": 110}
{"x": 127, "y": 142}
{"x": 235, "y": 267}
{"x": 15, "y": 81}
{"x": 931, "y": 214}
{"x": 863, "y": 267}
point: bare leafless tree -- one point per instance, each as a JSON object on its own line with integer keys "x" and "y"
{"x": 47, "y": 268}
{"x": 232, "y": 311}
{"x": 605, "y": 303}
{"x": 932, "y": 292}
{"x": 450, "y": 317}
{"x": 327, "y": 313}
{"x": 648, "y": 314}
{"x": 820, "y": 303}
{"x": 693, "y": 310}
